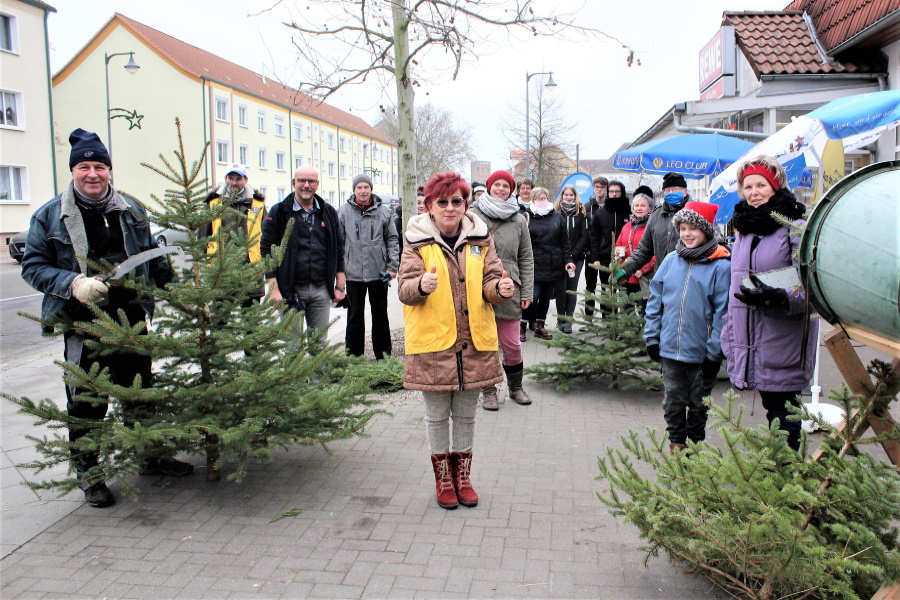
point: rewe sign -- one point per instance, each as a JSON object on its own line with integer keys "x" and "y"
{"x": 717, "y": 58}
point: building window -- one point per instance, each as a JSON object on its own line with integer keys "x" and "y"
{"x": 342, "y": 144}
{"x": 298, "y": 131}
{"x": 280, "y": 192}
{"x": 279, "y": 126}
{"x": 242, "y": 116}
{"x": 279, "y": 161}
{"x": 261, "y": 121}
{"x": 365, "y": 151}
{"x": 316, "y": 150}
{"x": 262, "y": 158}
{"x": 10, "y": 109}
{"x": 309, "y": 162}
{"x": 298, "y": 161}
{"x": 222, "y": 112}
{"x": 307, "y": 131}
{"x": 9, "y": 34}
{"x": 222, "y": 154}
{"x": 330, "y": 197}
{"x": 244, "y": 153}
{"x": 331, "y": 141}
{"x": 331, "y": 169}
{"x": 11, "y": 179}
{"x": 343, "y": 171}
{"x": 264, "y": 190}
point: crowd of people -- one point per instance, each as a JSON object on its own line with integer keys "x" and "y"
{"x": 476, "y": 270}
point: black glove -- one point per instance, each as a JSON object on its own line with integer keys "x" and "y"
{"x": 710, "y": 368}
{"x": 762, "y": 294}
{"x": 653, "y": 351}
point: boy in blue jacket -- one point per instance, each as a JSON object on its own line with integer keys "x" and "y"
{"x": 688, "y": 299}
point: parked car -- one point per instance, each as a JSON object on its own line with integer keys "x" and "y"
{"x": 165, "y": 237}
{"x": 17, "y": 245}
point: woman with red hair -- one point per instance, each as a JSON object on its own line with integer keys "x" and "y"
{"x": 450, "y": 276}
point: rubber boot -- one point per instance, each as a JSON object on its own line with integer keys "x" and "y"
{"x": 514, "y": 375}
{"x": 443, "y": 481}
{"x": 673, "y": 448}
{"x": 523, "y": 330}
{"x": 489, "y": 400}
{"x": 461, "y": 465}
{"x": 542, "y": 333}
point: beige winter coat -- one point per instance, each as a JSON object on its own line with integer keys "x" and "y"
{"x": 460, "y": 367}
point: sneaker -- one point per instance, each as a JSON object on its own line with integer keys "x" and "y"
{"x": 97, "y": 495}
{"x": 166, "y": 466}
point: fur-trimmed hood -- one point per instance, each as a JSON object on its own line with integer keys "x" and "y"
{"x": 421, "y": 229}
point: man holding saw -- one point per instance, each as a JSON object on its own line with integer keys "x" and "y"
{"x": 88, "y": 225}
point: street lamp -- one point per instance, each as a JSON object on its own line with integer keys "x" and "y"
{"x": 550, "y": 83}
{"x": 132, "y": 67}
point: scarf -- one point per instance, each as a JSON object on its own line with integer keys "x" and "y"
{"x": 567, "y": 208}
{"x": 493, "y": 208}
{"x": 637, "y": 221}
{"x": 617, "y": 205}
{"x": 541, "y": 208}
{"x": 361, "y": 205}
{"x": 760, "y": 220}
{"x": 699, "y": 252}
{"x": 107, "y": 204}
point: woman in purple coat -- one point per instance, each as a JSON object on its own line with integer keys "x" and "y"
{"x": 767, "y": 337}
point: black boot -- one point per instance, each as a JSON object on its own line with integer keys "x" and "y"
{"x": 95, "y": 494}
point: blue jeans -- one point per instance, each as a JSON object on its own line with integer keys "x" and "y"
{"x": 683, "y": 402}
{"x": 539, "y": 307}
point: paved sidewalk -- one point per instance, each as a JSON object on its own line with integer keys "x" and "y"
{"x": 369, "y": 526}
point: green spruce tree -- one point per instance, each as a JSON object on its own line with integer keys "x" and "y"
{"x": 230, "y": 381}
{"x": 609, "y": 344}
{"x": 754, "y": 517}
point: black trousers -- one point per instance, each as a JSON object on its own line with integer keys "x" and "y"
{"x": 775, "y": 404}
{"x": 537, "y": 310}
{"x": 591, "y": 275}
{"x": 355, "y": 337}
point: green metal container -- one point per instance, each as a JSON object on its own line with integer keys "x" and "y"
{"x": 850, "y": 251}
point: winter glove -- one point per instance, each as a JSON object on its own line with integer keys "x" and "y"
{"x": 88, "y": 289}
{"x": 710, "y": 368}
{"x": 653, "y": 351}
{"x": 620, "y": 273}
{"x": 762, "y": 294}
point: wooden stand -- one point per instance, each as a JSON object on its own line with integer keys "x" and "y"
{"x": 854, "y": 372}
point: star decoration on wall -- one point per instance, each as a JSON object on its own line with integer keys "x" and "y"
{"x": 133, "y": 118}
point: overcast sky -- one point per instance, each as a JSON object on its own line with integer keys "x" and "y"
{"x": 609, "y": 102}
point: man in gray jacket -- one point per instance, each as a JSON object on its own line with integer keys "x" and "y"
{"x": 371, "y": 260}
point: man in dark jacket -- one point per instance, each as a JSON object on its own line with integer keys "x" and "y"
{"x": 90, "y": 219}
{"x": 601, "y": 184}
{"x": 371, "y": 260}
{"x": 311, "y": 274}
{"x": 660, "y": 237}
{"x": 605, "y": 227}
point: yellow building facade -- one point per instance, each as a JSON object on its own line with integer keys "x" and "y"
{"x": 26, "y": 134}
{"x": 245, "y": 118}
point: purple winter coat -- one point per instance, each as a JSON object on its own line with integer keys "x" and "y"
{"x": 762, "y": 344}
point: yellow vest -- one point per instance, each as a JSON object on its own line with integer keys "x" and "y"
{"x": 431, "y": 326}
{"x": 254, "y": 227}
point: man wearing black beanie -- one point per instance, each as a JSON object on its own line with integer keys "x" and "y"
{"x": 86, "y": 225}
{"x": 660, "y": 237}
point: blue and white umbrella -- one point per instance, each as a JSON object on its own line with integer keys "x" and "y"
{"x": 694, "y": 155}
{"x": 855, "y": 120}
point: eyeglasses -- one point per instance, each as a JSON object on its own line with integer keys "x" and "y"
{"x": 309, "y": 181}
{"x": 457, "y": 202}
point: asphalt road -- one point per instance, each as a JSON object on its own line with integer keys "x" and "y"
{"x": 20, "y": 338}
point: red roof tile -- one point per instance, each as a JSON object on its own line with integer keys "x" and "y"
{"x": 201, "y": 63}
{"x": 839, "y": 20}
{"x": 780, "y": 43}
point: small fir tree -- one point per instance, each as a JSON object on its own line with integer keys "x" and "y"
{"x": 230, "y": 381}
{"x": 609, "y": 346}
{"x": 757, "y": 520}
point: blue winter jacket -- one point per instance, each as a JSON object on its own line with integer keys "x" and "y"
{"x": 688, "y": 301}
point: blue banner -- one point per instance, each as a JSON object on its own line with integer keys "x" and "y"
{"x": 583, "y": 184}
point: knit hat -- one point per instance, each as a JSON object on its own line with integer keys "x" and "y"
{"x": 361, "y": 178}
{"x": 701, "y": 215}
{"x": 86, "y": 145}
{"x": 673, "y": 180}
{"x": 501, "y": 175}
{"x": 645, "y": 190}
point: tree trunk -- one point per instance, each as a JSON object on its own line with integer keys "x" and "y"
{"x": 406, "y": 140}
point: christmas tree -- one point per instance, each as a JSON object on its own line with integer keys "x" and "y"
{"x": 609, "y": 345}
{"x": 232, "y": 379}
{"x": 754, "y": 517}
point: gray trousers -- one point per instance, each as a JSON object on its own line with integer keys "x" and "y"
{"x": 440, "y": 407}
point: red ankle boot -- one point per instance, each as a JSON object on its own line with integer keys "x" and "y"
{"x": 461, "y": 463}
{"x": 443, "y": 481}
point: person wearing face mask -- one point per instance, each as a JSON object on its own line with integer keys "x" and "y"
{"x": 606, "y": 226}
{"x": 767, "y": 339}
{"x": 660, "y": 237}
{"x": 552, "y": 257}
{"x": 569, "y": 205}
{"x": 630, "y": 238}
{"x": 499, "y": 210}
